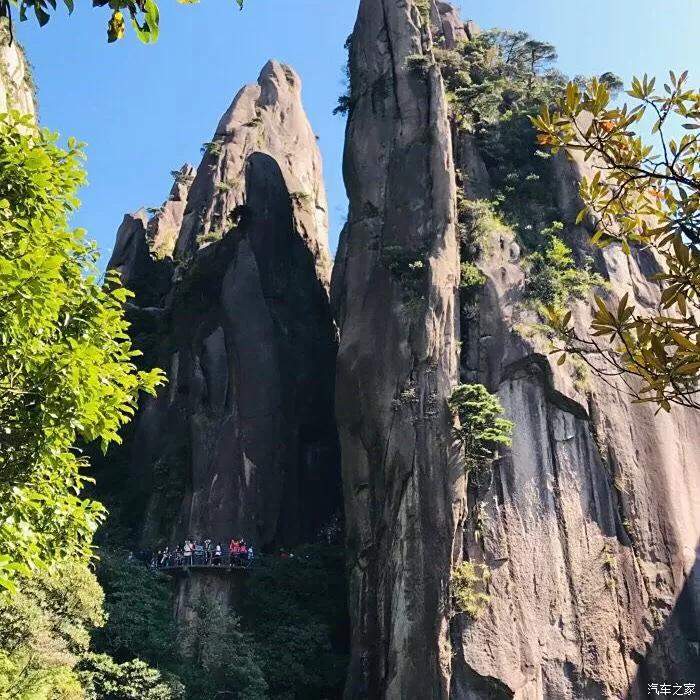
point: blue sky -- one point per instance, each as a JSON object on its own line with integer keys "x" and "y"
{"x": 145, "y": 110}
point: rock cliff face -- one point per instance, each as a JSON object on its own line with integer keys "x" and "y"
{"x": 394, "y": 285}
{"x": 590, "y": 524}
{"x": 16, "y": 86}
{"x": 231, "y": 277}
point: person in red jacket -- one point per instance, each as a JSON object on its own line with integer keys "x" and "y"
{"x": 243, "y": 554}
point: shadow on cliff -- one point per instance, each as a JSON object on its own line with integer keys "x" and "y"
{"x": 673, "y": 656}
{"x": 249, "y": 404}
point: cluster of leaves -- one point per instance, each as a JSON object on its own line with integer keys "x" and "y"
{"x": 345, "y": 100}
{"x": 477, "y": 221}
{"x": 103, "y": 679}
{"x": 44, "y": 644}
{"x": 44, "y": 628}
{"x": 495, "y": 73}
{"x": 144, "y": 14}
{"x": 407, "y": 268}
{"x": 138, "y": 602}
{"x": 552, "y": 275}
{"x": 482, "y": 428}
{"x": 225, "y": 657}
{"x": 212, "y": 147}
{"x": 646, "y": 198}
{"x": 470, "y": 276}
{"x": 181, "y": 177}
{"x": 210, "y": 236}
{"x": 466, "y": 580}
{"x": 66, "y": 366}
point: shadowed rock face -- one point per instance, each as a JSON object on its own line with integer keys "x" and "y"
{"x": 589, "y": 525}
{"x": 241, "y": 441}
{"x": 393, "y": 292}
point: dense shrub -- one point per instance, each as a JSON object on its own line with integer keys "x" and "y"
{"x": 103, "y": 679}
{"x": 482, "y": 428}
{"x": 466, "y": 580}
{"x": 552, "y": 276}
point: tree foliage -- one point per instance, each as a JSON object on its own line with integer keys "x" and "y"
{"x": 482, "y": 428}
{"x": 144, "y": 15}
{"x": 300, "y": 628}
{"x": 103, "y": 679}
{"x": 138, "y": 602}
{"x": 467, "y": 583}
{"x": 224, "y": 656}
{"x": 552, "y": 276}
{"x": 494, "y": 83}
{"x": 644, "y": 196}
{"x": 44, "y": 628}
{"x": 66, "y": 361}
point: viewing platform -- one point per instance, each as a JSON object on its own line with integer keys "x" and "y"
{"x": 226, "y": 563}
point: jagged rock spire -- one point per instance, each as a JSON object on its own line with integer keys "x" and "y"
{"x": 231, "y": 277}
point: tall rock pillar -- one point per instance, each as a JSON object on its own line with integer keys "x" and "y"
{"x": 393, "y": 292}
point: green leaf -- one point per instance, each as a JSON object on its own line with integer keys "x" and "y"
{"x": 41, "y": 14}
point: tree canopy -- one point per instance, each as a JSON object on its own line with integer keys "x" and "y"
{"x": 66, "y": 366}
{"x": 44, "y": 629}
{"x": 645, "y": 197}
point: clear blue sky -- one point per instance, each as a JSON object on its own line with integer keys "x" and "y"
{"x": 144, "y": 110}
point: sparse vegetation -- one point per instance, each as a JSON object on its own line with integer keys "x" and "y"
{"x": 300, "y": 198}
{"x": 182, "y": 178}
{"x": 467, "y": 582}
{"x": 344, "y": 100}
{"x": 580, "y": 372}
{"x": 418, "y": 62}
{"x": 227, "y": 185}
{"x": 470, "y": 276}
{"x": 423, "y": 7}
{"x": 211, "y": 236}
{"x": 477, "y": 222}
{"x": 212, "y": 148}
{"x": 495, "y": 82}
{"x": 553, "y": 277}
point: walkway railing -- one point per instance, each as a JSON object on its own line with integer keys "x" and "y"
{"x": 179, "y": 561}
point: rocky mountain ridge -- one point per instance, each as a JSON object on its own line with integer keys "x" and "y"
{"x": 581, "y": 525}
{"x": 586, "y": 529}
{"x": 230, "y": 277}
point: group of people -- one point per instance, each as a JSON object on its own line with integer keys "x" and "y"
{"x": 205, "y": 553}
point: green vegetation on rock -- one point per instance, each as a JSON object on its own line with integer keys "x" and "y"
{"x": 467, "y": 581}
{"x": 552, "y": 277}
{"x": 482, "y": 428}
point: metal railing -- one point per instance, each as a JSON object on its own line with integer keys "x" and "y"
{"x": 177, "y": 560}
